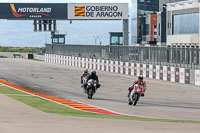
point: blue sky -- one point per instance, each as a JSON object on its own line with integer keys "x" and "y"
{"x": 20, "y": 33}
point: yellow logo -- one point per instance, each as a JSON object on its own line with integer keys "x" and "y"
{"x": 80, "y": 11}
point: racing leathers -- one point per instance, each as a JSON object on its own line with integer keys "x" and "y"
{"x": 94, "y": 77}
{"x": 132, "y": 87}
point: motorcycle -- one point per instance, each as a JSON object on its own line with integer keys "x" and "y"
{"x": 91, "y": 88}
{"x": 135, "y": 95}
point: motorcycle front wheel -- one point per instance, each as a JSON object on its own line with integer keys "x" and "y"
{"x": 90, "y": 93}
{"x": 135, "y": 99}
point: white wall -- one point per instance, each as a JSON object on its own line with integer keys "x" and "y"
{"x": 188, "y": 38}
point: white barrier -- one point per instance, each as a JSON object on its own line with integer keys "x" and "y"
{"x": 138, "y": 69}
{"x": 157, "y": 72}
{"x": 126, "y": 67}
{"x": 111, "y": 66}
{"x": 121, "y": 67}
{"x": 107, "y": 65}
{"x": 197, "y": 77}
{"x": 86, "y": 63}
{"x": 173, "y": 74}
{"x": 82, "y": 62}
{"x": 116, "y": 66}
{"x": 144, "y": 70}
{"x": 66, "y": 61}
{"x": 182, "y": 75}
{"x": 73, "y": 61}
{"x": 98, "y": 64}
{"x": 132, "y": 68}
{"x": 94, "y": 64}
{"x": 103, "y": 65}
{"x": 150, "y": 71}
{"x": 165, "y": 73}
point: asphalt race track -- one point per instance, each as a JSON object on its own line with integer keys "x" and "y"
{"x": 162, "y": 100}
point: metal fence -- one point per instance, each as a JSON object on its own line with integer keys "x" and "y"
{"x": 185, "y": 57}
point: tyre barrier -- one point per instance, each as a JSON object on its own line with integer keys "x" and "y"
{"x": 173, "y": 74}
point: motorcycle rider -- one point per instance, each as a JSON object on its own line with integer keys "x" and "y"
{"x": 140, "y": 82}
{"x": 94, "y": 77}
{"x": 85, "y": 74}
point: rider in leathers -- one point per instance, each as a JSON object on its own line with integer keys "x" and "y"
{"x": 94, "y": 77}
{"x": 140, "y": 81}
{"x": 85, "y": 74}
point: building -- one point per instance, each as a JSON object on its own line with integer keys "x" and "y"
{"x": 144, "y": 21}
{"x": 183, "y": 23}
{"x": 160, "y": 22}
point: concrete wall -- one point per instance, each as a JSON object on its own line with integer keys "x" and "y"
{"x": 22, "y": 55}
{"x": 173, "y": 74}
{"x": 10, "y": 54}
{"x": 187, "y": 38}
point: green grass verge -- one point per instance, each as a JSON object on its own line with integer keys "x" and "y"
{"x": 51, "y": 107}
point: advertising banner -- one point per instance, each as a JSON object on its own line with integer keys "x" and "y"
{"x": 161, "y": 72}
{"x": 168, "y": 73}
{"x": 173, "y": 74}
{"x": 197, "y": 77}
{"x": 141, "y": 69}
{"x": 121, "y": 67}
{"x": 182, "y": 75}
{"x": 138, "y": 69}
{"x": 177, "y": 73}
{"x": 165, "y": 73}
{"x": 144, "y": 70}
{"x": 150, "y": 71}
{"x": 187, "y": 76}
{"x": 147, "y": 72}
{"x": 111, "y": 66}
{"x": 116, "y": 66}
{"x": 127, "y": 68}
{"x": 154, "y": 72}
{"x": 97, "y": 11}
{"x": 132, "y": 68}
{"x": 33, "y": 11}
{"x": 157, "y": 72}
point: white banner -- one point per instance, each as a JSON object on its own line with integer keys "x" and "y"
{"x": 150, "y": 71}
{"x": 97, "y": 11}
{"x": 94, "y": 63}
{"x": 182, "y": 75}
{"x": 144, "y": 70}
{"x": 165, "y": 73}
{"x": 102, "y": 65}
{"x": 116, "y": 66}
{"x": 111, "y": 66}
{"x": 86, "y": 63}
{"x": 132, "y": 68}
{"x": 98, "y": 64}
{"x": 73, "y": 62}
{"x": 126, "y": 67}
{"x": 107, "y": 65}
{"x": 138, "y": 69}
{"x": 197, "y": 77}
{"x": 173, "y": 74}
{"x": 157, "y": 72}
{"x": 83, "y": 62}
{"x": 121, "y": 67}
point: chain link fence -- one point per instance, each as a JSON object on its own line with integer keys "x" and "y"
{"x": 186, "y": 57}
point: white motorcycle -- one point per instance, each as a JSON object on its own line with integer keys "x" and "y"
{"x": 135, "y": 94}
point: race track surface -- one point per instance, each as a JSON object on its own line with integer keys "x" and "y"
{"x": 162, "y": 100}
